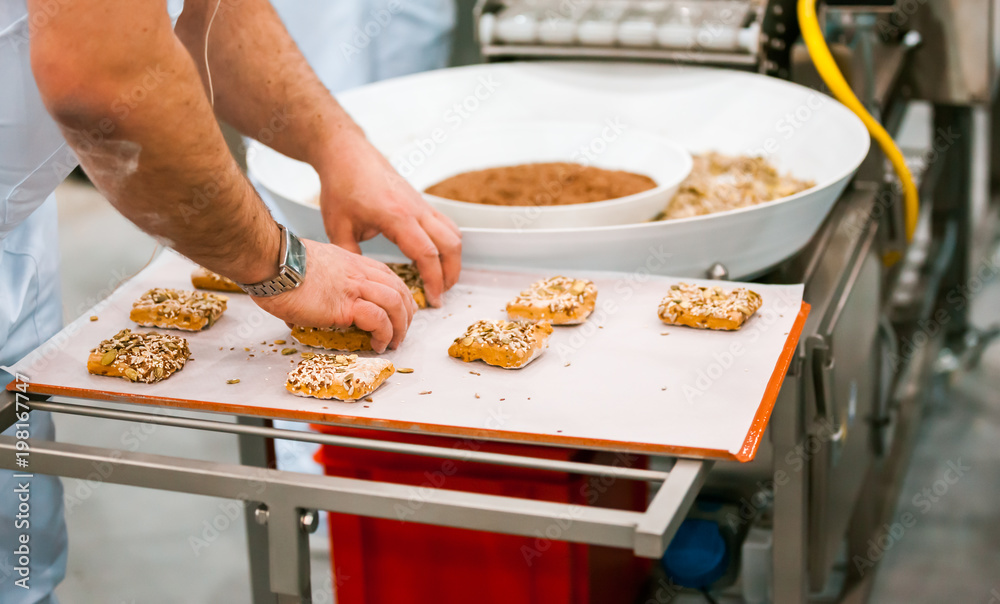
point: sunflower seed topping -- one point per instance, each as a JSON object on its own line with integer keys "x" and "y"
{"x": 323, "y": 371}
{"x": 164, "y": 307}
{"x": 409, "y": 274}
{"x": 515, "y": 335}
{"x": 144, "y": 357}
{"x": 557, "y": 294}
{"x": 709, "y": 302}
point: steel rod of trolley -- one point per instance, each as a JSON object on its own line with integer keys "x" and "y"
{"x": 618, "y": 53}
{"x": 453, "y": 453}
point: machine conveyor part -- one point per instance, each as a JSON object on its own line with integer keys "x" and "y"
{"x": 703, "y": 26}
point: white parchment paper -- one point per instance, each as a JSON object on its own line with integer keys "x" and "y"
{"x": 623, "y": 380}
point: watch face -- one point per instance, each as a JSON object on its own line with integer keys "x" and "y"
{"x": 295, "y": 257}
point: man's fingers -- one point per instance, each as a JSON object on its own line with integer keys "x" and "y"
{"x": 394, "y": 304}
{"x": 448, "y": 221}
{"x": 371, "y": 317}
{"x": 381, "y": 273}
{"x": 342, "y": 235}
{"x": 418, "y": 246}
{"x": 351, "y": 246}
{"x": 449, "y": 246}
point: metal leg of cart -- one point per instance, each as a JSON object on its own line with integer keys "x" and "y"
{"x": 257, "y": 452}
{"x": 289, "y": 553}
{"x": 7, "y": 402}
{"x": 790, "y": 574}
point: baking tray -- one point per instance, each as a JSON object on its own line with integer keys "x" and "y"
{"x": 622, "y": 381}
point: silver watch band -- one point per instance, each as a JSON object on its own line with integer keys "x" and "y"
{"x": 291, "y": 269}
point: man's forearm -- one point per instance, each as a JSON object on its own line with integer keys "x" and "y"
{"x": 130, "y": 102}
{"x": 262, "y": 84}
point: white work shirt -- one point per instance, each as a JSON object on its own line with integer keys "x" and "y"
{"x": 34, "y": 159}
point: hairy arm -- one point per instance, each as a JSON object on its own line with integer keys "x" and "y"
{"x": 264, "y": 87}
{"x": 130, "y": 102}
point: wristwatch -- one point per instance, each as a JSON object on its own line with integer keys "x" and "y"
{"x": 291, "y": 270}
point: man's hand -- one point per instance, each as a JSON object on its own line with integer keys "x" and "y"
{"x": 362, "y": 196}
{"x": 259, "y": 76}
{"x": 343, "y": 289}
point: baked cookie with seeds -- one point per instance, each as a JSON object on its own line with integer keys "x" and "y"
{"x": 346, "y": 339}
{"x": 560, "y": 300}
{"x": 139, "y": 357}
{"x": 178, "y": 309}
{"x": 507, "y": 344}
{"x": 411, "y": 277}
{"x": 202, "y": 278}
{"x": 708, "y": 307}
{"x": 338, "y": 376}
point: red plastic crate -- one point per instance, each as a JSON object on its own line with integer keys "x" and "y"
{"x": 381, "y": 561}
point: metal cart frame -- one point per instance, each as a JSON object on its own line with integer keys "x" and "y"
{"x": 281, "y": 506}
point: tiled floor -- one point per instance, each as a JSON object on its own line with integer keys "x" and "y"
{"x": 132, "y": 545}
{"x": 952, "y": 553}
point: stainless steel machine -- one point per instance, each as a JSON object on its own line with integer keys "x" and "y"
{"x": 887, "y": 322}
{"x": 881, "y": 332}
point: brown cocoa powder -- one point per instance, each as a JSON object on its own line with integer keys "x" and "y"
{"x": 542, "y": 184}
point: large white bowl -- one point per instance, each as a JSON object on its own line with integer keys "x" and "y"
{"x": 799, "y": 130}
{"x": 598, "y": 144}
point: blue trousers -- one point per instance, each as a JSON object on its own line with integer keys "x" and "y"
{"x": 30, "y": 313}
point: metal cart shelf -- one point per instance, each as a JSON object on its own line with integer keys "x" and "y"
{"x": 281, "y": 506}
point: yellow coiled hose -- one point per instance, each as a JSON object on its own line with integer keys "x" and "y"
{"x": 828, "y": 70}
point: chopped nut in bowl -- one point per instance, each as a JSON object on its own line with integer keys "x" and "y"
{"x": 719, "y": 183}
